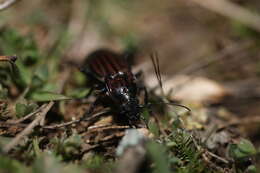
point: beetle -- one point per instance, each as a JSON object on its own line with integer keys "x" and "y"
{"x": 111, "y": 77}
{"x": 116, "y": 86}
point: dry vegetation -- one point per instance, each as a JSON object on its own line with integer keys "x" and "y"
{"x": 209, "y": 60}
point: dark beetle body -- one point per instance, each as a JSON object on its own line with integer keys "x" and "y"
{"x": 111, "y": 76}
{"x": 116, "y": 86}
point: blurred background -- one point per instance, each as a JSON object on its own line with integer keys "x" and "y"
{"x": 208, "y": 51}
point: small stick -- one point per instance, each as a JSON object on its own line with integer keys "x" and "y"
{"x": 110, "y": 137}
{"x": 98, "y": 126}
{"x": 218, "y": 157}
{"x": 28, "y": 129}
{"x": 37, "y": 121}
{"x": 205, "y": 152}
{"x": 107, "y": 138}
{"x": 55, "y": 126}
{"x": 117, "y": 135}
{"x": 75, "y": 121}
{"x": 106, "y": 127}
{"x": 27, "y": 116}
{"x": 213, "y": 165}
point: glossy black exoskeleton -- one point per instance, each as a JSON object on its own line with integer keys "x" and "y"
{"x": 116, "y": 86}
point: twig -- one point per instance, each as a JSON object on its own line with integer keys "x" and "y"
{"x": 55, "y": 126}
{"x": 233, "y": 11}
{"x": 90, "y": 148}
{"x": 213, "y": 165}
{"x": 38, "y": 120}
{"x": 98, "y": 126}
{"x": 6, "y": 4}
{"x": 218, "y": 157}
{"x": 204, "y": 153}
{"x": 110, "y": 137}
{"x": 28, "y": 129}
{"x": 106, "y": 138}
{"x": 27, "y": 116}
{"x": 106, "y": 127}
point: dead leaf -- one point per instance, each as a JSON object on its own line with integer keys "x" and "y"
{"x": 191, "y": 89}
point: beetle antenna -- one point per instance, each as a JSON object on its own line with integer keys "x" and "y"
{"x": 156, "y": 66}
{"x": 166, "y": 103}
